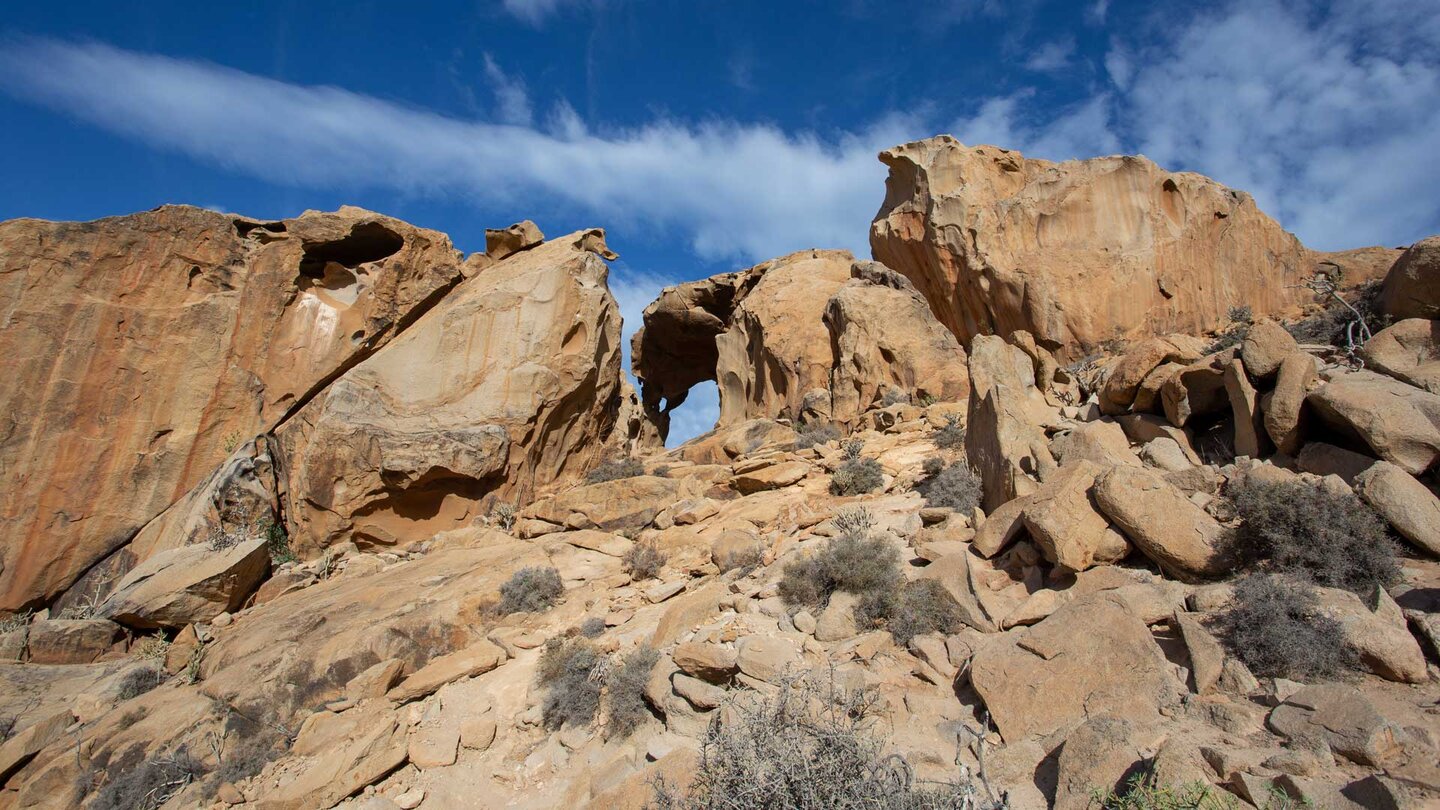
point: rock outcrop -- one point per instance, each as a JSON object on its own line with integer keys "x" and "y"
{"x": 1412, "y": 287}
{"x": 509, "y": 383}
{"x": 1080, "y": 252}
{"x": 141, "y": 349}
{"x": 811, "y": 335}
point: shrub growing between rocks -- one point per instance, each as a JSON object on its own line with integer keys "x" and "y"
{"x": 643, "y": 561}
{"x": 568, "y": 671}
{"x": 920, "y": 607}
{"x": 811, "y": 747}
{"x": 954, "y": 486}
{"x": 1274, "y": 626}
{"x": 813, "y": 433}
{"x": 625, "y": 707}
{"x": 614, "y": 470}
{"x": 857, "y": 474}
{"x": 951, "y": 435}
{"x": 138, "y": 681}
{"x": 593, "y": 627}
{"x": 1302, "y": 529}
{"x": 530, "y": 590}
{"x": 895, "y": 396}
{"x": 150, "y": 784}
{"x": 853, "y": 561}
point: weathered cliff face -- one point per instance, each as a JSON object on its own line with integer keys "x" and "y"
{"x": 1081, "y": 252}
{"x": 512, "y": 381}
{"x": 811, "y": 334}
{"x": 142, "y": 349}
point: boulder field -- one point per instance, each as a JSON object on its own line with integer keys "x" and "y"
{"x": 321, "y": 513}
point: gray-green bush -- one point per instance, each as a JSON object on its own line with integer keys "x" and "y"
{"x": 954, "y": 486}
{"x": 1273, "y": 624}
{"x": 534, "y": 589}
{"x": 614, "y": 470}
{"x": 567, "y": 671}
{"x": 625, "y": 707}
{"x": 643, "y": 561}
{"x": 854, "y": 561}
{"x": 813, "y": 433}
{"x": 951, "y": 435}
{"x": 1306, "y": 531}
{"x": 857, "y": 474}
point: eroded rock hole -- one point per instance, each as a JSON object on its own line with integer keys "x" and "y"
{"x": 366, "y": 242}
{"x": 244, "y": 227}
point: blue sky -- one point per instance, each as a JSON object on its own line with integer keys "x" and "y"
{"x": 706, "y": 136}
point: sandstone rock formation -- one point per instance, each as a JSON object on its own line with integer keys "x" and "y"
{"x": 1080, "y": 252}
{"x": 144, "y": 348}
{"x": 813, "y": 334}
{"x": 1412, "y": 287}
{"x": 509, "y": 383}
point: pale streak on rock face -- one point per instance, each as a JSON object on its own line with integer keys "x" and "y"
{"x": 511, "y": 382}
{"x": 139, "y": 348}
{"x": 1084, "y": 251}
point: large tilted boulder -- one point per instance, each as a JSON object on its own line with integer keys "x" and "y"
{"x": 1412, "y": 287}
{"x": 812, "y": 334}
{"x": 887, "y": 339}
{"x": 1406, "y": 503}
{"x": 1408, "y": 351}
{"x": 1082, "y": 251}
{"x": 1399, "y": 422}
{"x": 1123, "y": 383}
{"x": 189, "y": 584}
{"x": 1094, "y": 657}
{"x": 1004, "y": 440}
{"x": 174, "y": 334}
{"x": 507, "y": 384}
{"x": 1170, "y": 529}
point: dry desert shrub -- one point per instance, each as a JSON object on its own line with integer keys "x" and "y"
{"x": 1306, "y": 531}
{"x": 857, "y": 474}
{"x": 625, "y": 707}
{"x": 570, "y": 672}
{"x": 643, "y": 561}
{"x": 951, "y": 435}
{"x": 1274, "y": 625}
{"x": 811, "y": 746}
{"x": 149, "y": 784}
{"x": 614, "y": 470}
{"x": 533, "y": 589}
{"x": 813, "y": 433}
{"x": 139, "y": 680}
{"x": 954, "y": 486}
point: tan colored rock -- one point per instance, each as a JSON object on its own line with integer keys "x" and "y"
{"x": 1148, "y": 395}
{"x": 1400, "y": 423}
{"x": 1207, "y": 657}
{"x": 1319, "y": 458}
{"x": 685, "y": 612}
{"x": 179, "y": 333}
{"x": 1265, "y": 347}
{"x": 1250, "y": 437}
{"x": 1411, "y": 508}
{"x": 187, "y": 585}
{"x": 702, "y": 695}
{"x": 1166, "y": 526}
{"x": 22, "y": 745}
{"x": 509, "y": 383}
{"x": 1099, "y": 755}
{"x": 1102, "y": 442}
{"x": 1165, "y": 454}
{"x": 766, "y": 658}
{"x": 888, "y": 339}
{"x": 1004, "y": 440}
{"x": 1081, "y": 251}
{"x": 1380, "y": 635}
{"x": 837, "y": 621}
{"x": 366, "y": 755}
{"x": 1412, "y": 287}
{"x": 774, "y": 476}
{"x": 1196, "y": 390}
{"x": 1341, "y": 718}
{"x": 70, "y": 641}
{"x": 375, "y": 680}
{"x": 705, "y": 660}
{"x": 1144, "y": 427}
{"x": 955, "y": 574}
{"x": 1408, "y": 351}
{"x": 1091, "y": 658}
{"x": 477, "y": 659}
{"x": 478, "y": 732}
{"x": 433, "y": 746}
{"x": 729, "y": 328}
{"x": 502, "y": 242}
{"x": 1284, "y": 407}
{"x": 1000, "y": 528}
{"x": 1064, "y": 523}
{"x": 626, "y": 503}
{"x": 1139, "y": 361}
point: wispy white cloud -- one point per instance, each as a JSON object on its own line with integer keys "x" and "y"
{"x": 730, "y": 190}
{"x": 1052, "y": 57}
{"x": 512, "y": 100}
{"x": 535, "y": 12}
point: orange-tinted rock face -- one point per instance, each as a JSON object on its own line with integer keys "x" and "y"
{"x": 141, "y": 349}
{"x": 1084, "y": 251}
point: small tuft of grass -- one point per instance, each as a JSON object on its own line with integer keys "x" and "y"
{"x": 138, "y": 681}
{"x": 592, "y": 627}
{"x": 643, "y": 561}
